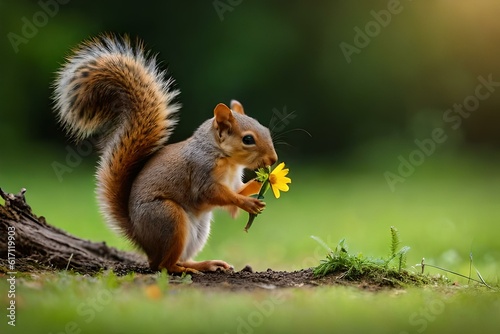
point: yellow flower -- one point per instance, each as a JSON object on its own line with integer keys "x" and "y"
{"x": 278, "y": 179}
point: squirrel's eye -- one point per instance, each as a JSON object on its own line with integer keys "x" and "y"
{"x": 248, "y": 140}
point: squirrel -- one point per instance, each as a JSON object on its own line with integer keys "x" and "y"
{"x": 159, "y": 195}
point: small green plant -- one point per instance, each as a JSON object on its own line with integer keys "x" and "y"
{"x": 377, "y": 270}
{"x": 399, "y": 255}
{"x": 469, "y": 278}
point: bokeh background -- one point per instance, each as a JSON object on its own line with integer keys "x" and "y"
{"x": 348, "y": 87}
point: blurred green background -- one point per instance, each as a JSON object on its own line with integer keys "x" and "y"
{"x": 365, "y": 78}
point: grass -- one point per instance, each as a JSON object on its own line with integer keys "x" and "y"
{"x": 445, "y": 211}
{"x": 67, "y": 303}
{"x": 380, "y": 271}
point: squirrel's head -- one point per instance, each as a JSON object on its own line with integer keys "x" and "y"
{"x": 242, "y": 138}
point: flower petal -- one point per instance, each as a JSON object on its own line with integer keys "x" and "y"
{"x": 283, "y": 187}
{"x": 278, "y": 179}
{"x": 276, "y": 191}
{"x": 281, "y": 173}
{"x": 278, "y": 168}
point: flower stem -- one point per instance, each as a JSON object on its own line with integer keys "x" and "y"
{"x": 251, "y": 216}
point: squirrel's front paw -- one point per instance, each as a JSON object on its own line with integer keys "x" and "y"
{"x": 253, "y": 205}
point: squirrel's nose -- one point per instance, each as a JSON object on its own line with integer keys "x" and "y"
{"x": 271, "y": 160}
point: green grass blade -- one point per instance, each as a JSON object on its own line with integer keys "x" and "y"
{"x": 322, "y": 243}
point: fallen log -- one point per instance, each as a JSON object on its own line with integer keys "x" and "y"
{"x": 27, "y": 241}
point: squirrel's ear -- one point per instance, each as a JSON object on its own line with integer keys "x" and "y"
{"x": 237, "y": 107}
{"x": 223, "y": 119}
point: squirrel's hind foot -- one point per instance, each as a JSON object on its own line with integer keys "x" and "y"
{"x": 206, "y": 266}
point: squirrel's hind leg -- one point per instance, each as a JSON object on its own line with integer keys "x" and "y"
{"x": 163, "y": 229}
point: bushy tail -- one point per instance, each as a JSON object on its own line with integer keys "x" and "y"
{"x": 114, "y": 90}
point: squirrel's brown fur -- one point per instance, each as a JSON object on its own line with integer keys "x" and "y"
{"x": 159, "y": 195}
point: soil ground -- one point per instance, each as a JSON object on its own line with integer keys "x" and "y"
{"x": 244, "y": 279}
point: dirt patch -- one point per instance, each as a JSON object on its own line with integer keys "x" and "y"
{"x": 270, "y": 279}
{"x": 244, "y": 279}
